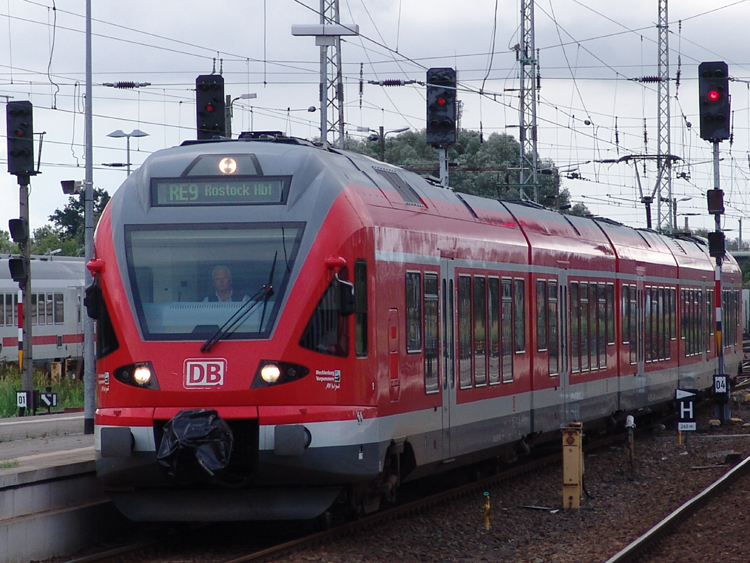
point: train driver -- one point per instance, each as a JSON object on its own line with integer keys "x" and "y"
{"x": 221, "y": 278}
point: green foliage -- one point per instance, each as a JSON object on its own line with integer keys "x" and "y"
{"x": 69, "y": 226}
{"x": 7, "y": 246}
{"x": 45, "y": 240}
{"x": 69, "y": 391}
{"x": 485, "y": 167}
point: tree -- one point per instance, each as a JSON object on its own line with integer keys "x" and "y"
{"x": 68, "y": 223}
{"x": 487, "y": 168}
{"x": 7, "y": 246}
{"x": 45, "y": 241}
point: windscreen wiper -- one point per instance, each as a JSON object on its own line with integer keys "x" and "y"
{"x": 261, "y": 296}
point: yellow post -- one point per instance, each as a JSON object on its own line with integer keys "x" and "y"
{"x": 572, "y": 465}
{"x": 486, "y": 517}
{"x": 55, "y": 369}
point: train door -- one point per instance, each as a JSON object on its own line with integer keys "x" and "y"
{"x": 641, "y": 325}
{"x": 447, "y": 322}
{"x": 78, "y": 320}
{"x": 563, "y": 362}
{"x": 394, "y": 379}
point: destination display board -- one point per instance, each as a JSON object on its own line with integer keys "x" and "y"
{"x": 212, "y": 190}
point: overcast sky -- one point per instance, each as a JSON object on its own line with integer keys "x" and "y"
{"x": 591, "y": 105}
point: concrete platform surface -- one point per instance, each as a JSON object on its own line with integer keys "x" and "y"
{"x": 43, "y": 447}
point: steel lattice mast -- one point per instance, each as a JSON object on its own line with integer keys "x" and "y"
{"x": 665, "y": 218}
{"x": 332, "y": 84}
{"x": 527, "y": 175}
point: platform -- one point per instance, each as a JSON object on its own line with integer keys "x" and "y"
{"x": 51, "y": 503}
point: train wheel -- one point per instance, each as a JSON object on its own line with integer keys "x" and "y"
{"x": 324, "y": 521}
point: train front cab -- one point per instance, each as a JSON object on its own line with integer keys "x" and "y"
{"x": 305, "y": 432}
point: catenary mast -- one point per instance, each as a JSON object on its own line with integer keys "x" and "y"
{"x": 527, "y": 176}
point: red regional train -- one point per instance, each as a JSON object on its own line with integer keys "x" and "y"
{"x": 283, "y": 328}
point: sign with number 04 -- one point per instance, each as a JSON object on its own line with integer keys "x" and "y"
{"x": 720, "y": 383}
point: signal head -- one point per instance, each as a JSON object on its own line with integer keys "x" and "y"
{"x": 713, "y": 99}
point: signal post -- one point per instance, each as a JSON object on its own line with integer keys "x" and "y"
{"x": 441, "y": 114}
{"x": 20, "y": 140}
{"x": 713, "y": 93}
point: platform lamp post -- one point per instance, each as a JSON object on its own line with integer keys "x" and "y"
{"x": 380, "y": 136}
{"x": 228, "y": 110}
{"x": 119, "y": 133}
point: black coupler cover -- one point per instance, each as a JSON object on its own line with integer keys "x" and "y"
{"x": 196, "y": 446}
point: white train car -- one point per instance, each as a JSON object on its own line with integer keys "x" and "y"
{"x": 57, "y": 288}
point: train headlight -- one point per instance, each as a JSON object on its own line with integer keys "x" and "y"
{"x": 270, "y": 373}
{"x": 275, "y": 373}
{"x": 137, "y": 375}
{"x": 142, "y": 375}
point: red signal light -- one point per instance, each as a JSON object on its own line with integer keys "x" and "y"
{"x": 210, "y": 108}
{"x": 440, "y": 101}
{"x": 714, "y": 95}
{"x": 19, "y": 132}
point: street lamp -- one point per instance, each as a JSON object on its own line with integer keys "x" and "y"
{"x": 228, "y": 106}
{"x": 380, "y": 136}
{"x": 675, "y": 201}
{"x": 119, "y": 133}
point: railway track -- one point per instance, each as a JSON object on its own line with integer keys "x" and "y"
{"x": 348, "y": 529}
{"x": 639, "y": 549}
{"x": 417, "y": 514}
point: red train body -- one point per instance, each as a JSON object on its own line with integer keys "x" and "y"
{"x": 384, "y": 329}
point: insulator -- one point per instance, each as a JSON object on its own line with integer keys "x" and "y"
{"x": 649, "y": 79}
{"x": 393, "y": 82}
{"x": 125, "y": 85}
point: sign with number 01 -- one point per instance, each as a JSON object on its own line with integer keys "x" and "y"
{"x": 22, "y": 399}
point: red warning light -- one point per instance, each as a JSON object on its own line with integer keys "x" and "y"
{"x": 210, "y": 108}
{"x": 713, "y": 95}
{"x": 440, "y": 101}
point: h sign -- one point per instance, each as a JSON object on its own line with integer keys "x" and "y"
{"x": 202, "y": 374}
{"x": 686, "y": 405}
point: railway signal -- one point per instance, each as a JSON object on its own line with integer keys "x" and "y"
{"x": 20, "y": 138}
{"x": 209, "y": 96}
{"x": 441, "y": 106}
{"x": 713, "y": 99}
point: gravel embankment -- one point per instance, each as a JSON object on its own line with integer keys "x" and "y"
{"x": 623, "y": 506}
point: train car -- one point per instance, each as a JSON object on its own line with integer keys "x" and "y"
{"x": 57, "y": 284}
{"x": 282, "y": 328}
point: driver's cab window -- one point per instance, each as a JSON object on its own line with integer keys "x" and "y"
{"x": 188, "y": 282}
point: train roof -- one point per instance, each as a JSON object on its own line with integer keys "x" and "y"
{"x": 318, "y": 175}
{"x": 47, "y": 267}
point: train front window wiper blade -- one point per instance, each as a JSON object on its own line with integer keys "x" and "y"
{"x": 261, "y": 296}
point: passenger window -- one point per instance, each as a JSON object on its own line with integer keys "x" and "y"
{"x": 360, "y": 308}
{"x": 431, "y": 379}
{"x": 59, "y": 309}
{"x": 493, "y": 317}
{"x": 541, "y": 315}
{"x": 507, "y": 330}
{"x": 464, "y": 332}
{"x": 552, "y": 344}
{"x": 413, "y": 312}
{"x": 480, "y": 332}
{"x": 520, "y": 315}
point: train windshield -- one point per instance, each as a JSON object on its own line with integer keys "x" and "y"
{"x": 188, "y": 281}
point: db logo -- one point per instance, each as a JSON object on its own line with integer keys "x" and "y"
{"x": 204, "y": 373}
